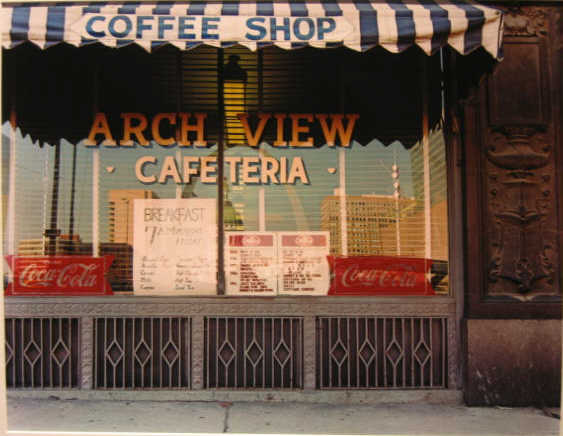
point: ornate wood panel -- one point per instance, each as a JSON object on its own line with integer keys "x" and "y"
{"x": 513, "y": 164}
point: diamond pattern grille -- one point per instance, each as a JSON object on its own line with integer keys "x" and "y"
{"x": 239, "y": 353}
{"x": 367, "y": 353}
{"x": 422, "y": 353}
{"x": 9, "y": 353}
{"x": 226, "y": 354}
{"x": 42, "y": 352}
{"x": 31, "y": 353}
{"x": 246, "y": 352}
{"x": 381, "y": 352}
{"x": 282, "y": 353}
{"x": 254, "y": 353}
{"x": 142, "y": 353}
{"x": 114, "y": 353}
{"x": 170, "y": 353}
{"x": 394, "y": 353}
{"x": 60, "y": 352}
{"x": 339, "y": 353}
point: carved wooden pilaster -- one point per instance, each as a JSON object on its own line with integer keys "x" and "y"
{"x": 521, "y": 197}
{"x": 512, "y": 159}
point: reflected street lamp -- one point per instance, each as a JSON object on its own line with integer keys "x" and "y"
{"x": 234, "y": 92}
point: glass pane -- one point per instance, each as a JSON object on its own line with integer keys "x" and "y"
{"x": 334, "y": 166}
{"x": 381, "y": 201}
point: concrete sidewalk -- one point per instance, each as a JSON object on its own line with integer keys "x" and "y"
{"x": 286, "y": 418}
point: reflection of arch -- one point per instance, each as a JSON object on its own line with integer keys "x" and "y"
{"x": 230, "y": 215}
{"x": 188, "y": 191}
{"x": 297, "y": 207}
{"x": 298, "y": 211}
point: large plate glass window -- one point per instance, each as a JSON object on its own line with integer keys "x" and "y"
{"x": 331, "y": 166}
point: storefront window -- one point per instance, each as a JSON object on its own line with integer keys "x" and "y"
{"x": 333, "y": 173}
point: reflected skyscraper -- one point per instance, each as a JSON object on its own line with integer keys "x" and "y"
{"x": 120, "y": 212}
{"x": 371, "y": 225}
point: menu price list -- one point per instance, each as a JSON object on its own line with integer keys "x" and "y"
{"x": 185, "y": 275}
{"x": 251, "y": 262}
{"x": 304, "y": 268}
{"x": 192, "y": 273}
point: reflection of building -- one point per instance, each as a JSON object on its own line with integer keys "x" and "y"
{"x": 371, "y": 221}
{"x": 233, "y": 214}
{"x": 31, "y": 247}
{"x": 63, "y": 246}
{"x": 231, "y": 217}
{"x": 437, "y": 165}
{"x": 5, "y": 221}
{"x": 121, "y": 203}
{"x": 438, "y": 191}
{"x": 372, "y": 229}
{"x": 4, "y": 208}
{"x": 438, "y": 229}
{"x": 121, "y": 212}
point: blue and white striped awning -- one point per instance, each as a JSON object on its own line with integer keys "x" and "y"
{"x": 359, "y": 25}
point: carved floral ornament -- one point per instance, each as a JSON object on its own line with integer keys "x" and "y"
{"x": 526, "y": 21}
{"x": 514, "y": 148}
{"x": 521, "y": 191}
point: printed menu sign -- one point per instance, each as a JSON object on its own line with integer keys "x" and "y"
{"x": 175, "y": 247}
{"x": 250, "y": 263}
{"x": 303, "y": 263}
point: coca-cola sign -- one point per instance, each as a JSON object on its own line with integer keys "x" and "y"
{"x": 380, "y": 275}
{"x": 59, "y": 275}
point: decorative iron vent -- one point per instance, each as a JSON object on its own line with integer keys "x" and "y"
{"x": 42, "y": 352}
{"x": 142, "y": 353}
{"x": 253, "y": 352}
{"x": 381, "y": 353}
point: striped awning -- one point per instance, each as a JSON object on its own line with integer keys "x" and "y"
{"x": 359, "y": 25}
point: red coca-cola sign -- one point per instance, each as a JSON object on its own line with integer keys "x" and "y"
{"x": 379, "y": 275}
{"x": 59, "y": 275}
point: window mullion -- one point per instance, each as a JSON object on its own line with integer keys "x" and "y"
{"x": 220, "y": 172}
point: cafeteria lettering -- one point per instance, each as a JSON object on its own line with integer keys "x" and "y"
{"x": 190, "y": 129}
{"x": 249, "y": 170}
{"x": 206, "y": 28}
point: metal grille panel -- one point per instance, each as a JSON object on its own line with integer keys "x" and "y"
{"x": 253, "y": 352}
{"x": 381, "y": 353}
{"x": 42, "y": 352}
{"x": 142, "y": 353}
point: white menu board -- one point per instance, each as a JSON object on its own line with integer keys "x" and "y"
{"x": 250, "y": 263}
{"x": 175, "y": 247}
{"x": 302, "y": 258}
